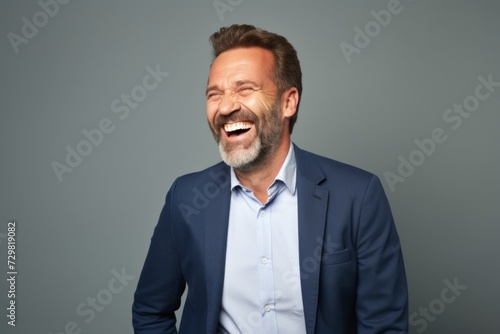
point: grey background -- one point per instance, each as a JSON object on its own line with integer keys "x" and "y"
{"x": 72, "y": 234}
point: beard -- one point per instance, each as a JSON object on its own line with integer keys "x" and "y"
{"x": 249, "y": 154}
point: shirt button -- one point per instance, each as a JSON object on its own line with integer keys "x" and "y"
{"x": 263, "y": 214}
{"x": 267, "y": 308}
{"x": 264, "y": 260}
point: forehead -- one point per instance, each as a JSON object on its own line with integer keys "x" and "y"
{"x": 251, "y": 63}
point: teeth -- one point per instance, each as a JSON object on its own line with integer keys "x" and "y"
{"x": 237, "y": 126}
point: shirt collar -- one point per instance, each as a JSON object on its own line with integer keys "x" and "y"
{"x": 287, "y": 173}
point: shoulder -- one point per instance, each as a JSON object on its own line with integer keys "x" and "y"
{"x": 216, "y": 176}
{"x": 332, "y": 170}
{"x": 345, "y": 182}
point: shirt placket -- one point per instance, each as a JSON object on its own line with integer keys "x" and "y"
{"x": 266, "y": 272}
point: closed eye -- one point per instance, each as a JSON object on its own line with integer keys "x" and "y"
{"x": 245, "y": 90}
{"x": 214, "y": 96}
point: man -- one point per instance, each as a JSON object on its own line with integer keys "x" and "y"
{"x": 274, "y": 239}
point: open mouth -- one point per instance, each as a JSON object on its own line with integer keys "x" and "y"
{"x": 237, "y": 129}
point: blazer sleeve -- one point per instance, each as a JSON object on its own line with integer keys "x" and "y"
{"x": 382, "y": 297}
{"x": 161, "y": 285}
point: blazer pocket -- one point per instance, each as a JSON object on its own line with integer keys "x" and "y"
{"x": 336, "y": 257}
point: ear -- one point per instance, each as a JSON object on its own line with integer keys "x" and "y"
{"x": 289, "y": 102}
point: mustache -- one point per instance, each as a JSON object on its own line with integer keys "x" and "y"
{"x": 239, "y": 116}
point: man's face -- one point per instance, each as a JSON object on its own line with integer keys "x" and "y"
{"x": 243, "y": 108}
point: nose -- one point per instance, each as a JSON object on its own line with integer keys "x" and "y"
{"x": 228, "y": 103}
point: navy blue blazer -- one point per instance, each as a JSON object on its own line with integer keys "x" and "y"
{"x": 352, "y": 272}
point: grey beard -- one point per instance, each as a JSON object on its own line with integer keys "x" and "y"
{"x": 242, "y": 159}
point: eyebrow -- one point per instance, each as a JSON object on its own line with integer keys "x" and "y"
{"x": 238, "y": 83}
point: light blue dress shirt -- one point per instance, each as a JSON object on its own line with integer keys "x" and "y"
{"x": 262, "y": 292}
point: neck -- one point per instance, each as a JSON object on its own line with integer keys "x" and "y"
{"x": 259, "y": 178}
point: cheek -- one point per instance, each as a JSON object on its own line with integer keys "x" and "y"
{"x": 259, "y": 105}
{"x": 211, "y": 111}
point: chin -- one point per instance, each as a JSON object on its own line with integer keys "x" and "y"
{"x": 242, "y": 158}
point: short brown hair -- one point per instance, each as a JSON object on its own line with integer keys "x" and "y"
{"x": 287, "y": 72}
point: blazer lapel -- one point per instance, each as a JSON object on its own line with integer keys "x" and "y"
{"x": 216, "y": 224}
{"x": 312, "y": 207}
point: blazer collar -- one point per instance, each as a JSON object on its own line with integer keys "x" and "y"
{"x": 307, "y": 166}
